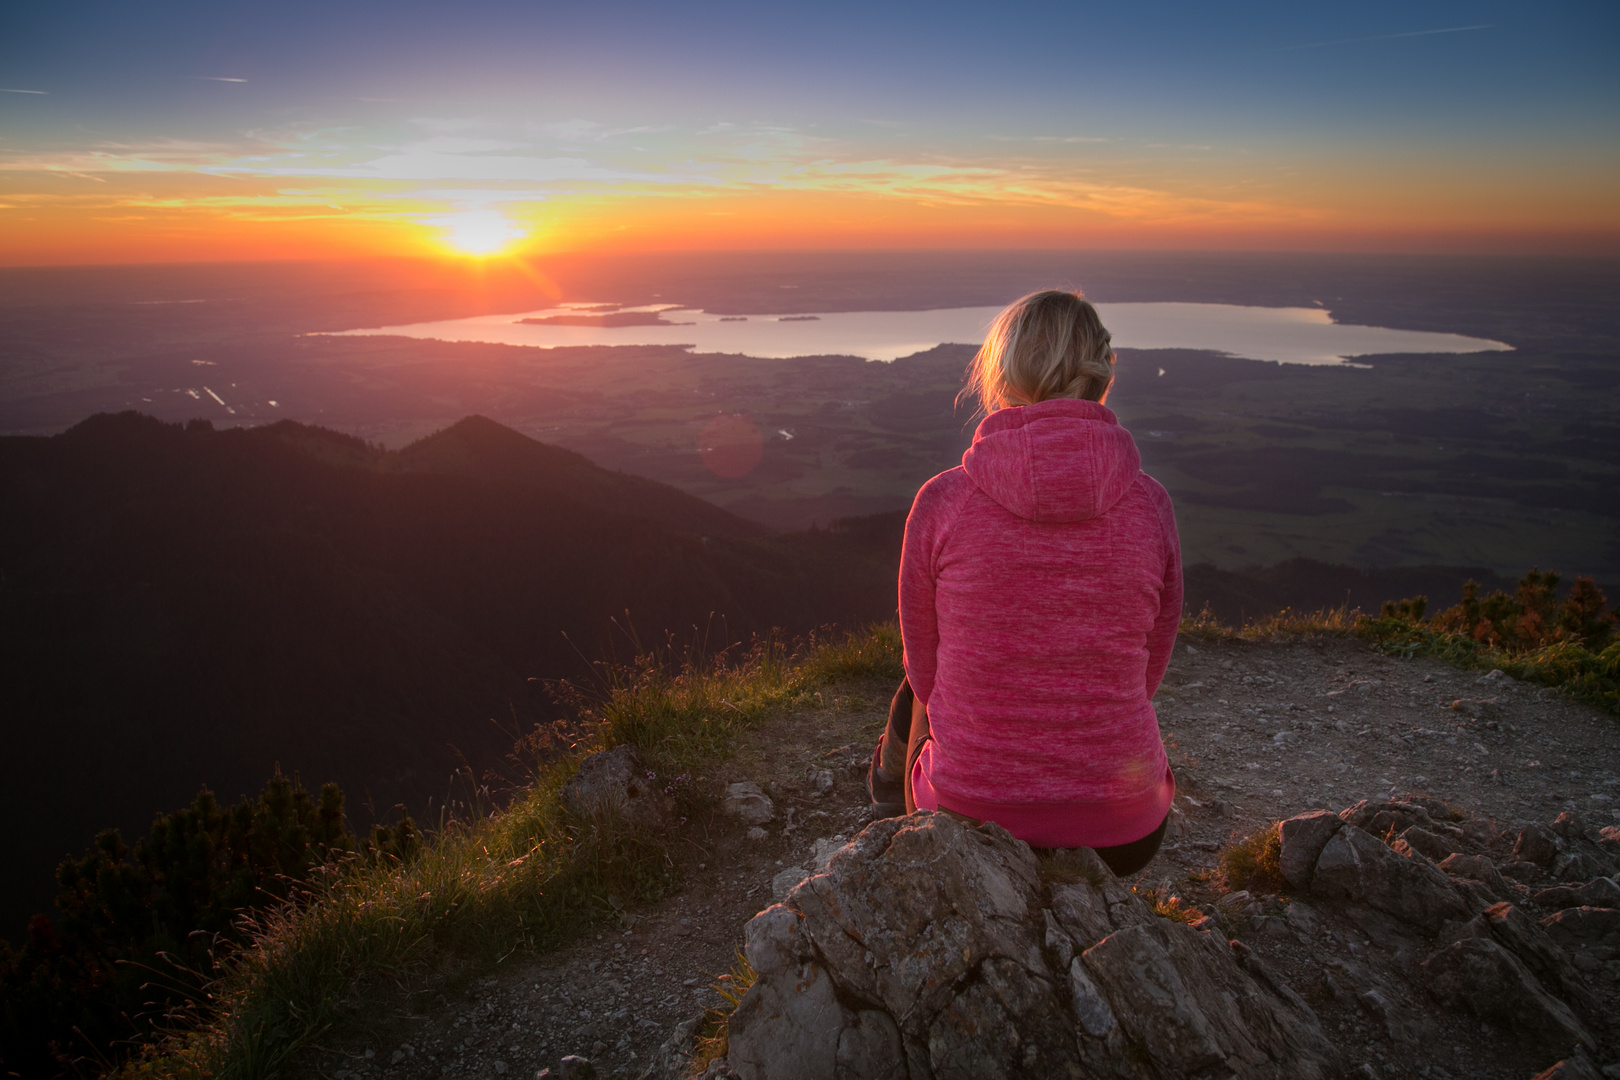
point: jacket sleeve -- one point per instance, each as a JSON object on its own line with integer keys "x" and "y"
{"x": 1162, "y": 638}
{"x": 919, "y": 575}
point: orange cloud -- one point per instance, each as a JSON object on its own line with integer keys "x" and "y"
{"x": 313, "y": 196}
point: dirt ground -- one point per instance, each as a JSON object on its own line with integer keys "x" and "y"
{"x": 1256, "y": 732}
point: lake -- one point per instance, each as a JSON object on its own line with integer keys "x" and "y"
{"x": 1288, "y": 335}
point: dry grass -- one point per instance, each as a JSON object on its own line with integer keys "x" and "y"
{"x": 1590, "y": 676}
{"x": 1252, "y": 862}
{"x": 712, "y": 1038}
{"x": 519, "y": 880}
{"x": 1168, "y": 906}
{"x": 1281, "y": 626}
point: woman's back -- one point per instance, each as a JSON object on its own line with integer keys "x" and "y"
{"x": 1040, "y": 592}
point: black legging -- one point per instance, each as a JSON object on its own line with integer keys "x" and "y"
{"x": 1122, "y": 859}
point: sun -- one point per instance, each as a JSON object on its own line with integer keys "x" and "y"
{"x": 478, "y": 232}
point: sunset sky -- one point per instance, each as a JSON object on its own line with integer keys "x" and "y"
{"x": 222, "y": 130}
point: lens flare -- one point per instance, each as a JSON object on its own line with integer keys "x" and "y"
{"x": 478, "y": 232}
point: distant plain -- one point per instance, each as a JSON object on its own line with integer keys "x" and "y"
{"x": 1490, "y": 459}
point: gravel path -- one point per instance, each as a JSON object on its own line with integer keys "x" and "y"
{"x": 1256, "y": 732}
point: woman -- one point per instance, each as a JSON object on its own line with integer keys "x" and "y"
{"x": 1040, "y": 591}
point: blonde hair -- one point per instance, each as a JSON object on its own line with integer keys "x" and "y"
{"x": 1049, "y": 344}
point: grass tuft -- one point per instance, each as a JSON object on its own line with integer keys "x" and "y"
{"x": 518, "y": 880}
{"x": 1169, "y": 907}
{"x": 712, "y": 1040}
{"x": 1252, "y": 863}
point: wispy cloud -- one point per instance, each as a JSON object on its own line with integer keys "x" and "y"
{"x": 476, "y": 164}
{"x": 583, "y": 131}
{"x": 217, "y": 78}
{"x": 1383, "y": 37}
{"x": 8, "y": 90}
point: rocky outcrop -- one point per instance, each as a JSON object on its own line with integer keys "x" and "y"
{"x": 615, "y": 783}
{"x": 1486, "y": 954}
{"x": 927, "y": 948}
{"x": 1303, "y": 839}
{"x": 1498, "y": 988}
{"x": 1357, "y": 867}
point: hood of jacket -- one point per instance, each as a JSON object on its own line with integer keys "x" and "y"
{"x": 1058, "y": 460}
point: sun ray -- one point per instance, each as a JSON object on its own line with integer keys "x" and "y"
{"x": 478, "y": 232}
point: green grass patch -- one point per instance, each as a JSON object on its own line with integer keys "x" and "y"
{"x": 1593, "y": 677}
{"x": 518, "y": 880}
{"x": 1530, "y": 636}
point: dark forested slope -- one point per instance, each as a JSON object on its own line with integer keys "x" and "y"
{"x": 181, "y": 606}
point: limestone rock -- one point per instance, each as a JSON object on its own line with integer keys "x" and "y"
{"x": 1357, "y": 867}
{"x": 1303, "y": 839}
{"x": 1386, "y": 818}
{"x": 615, "y": 783}
{"x": 824, "y": 849}
{"x": 1096, "y": 903}
{"x": 1580, "y": 866}
{"x": 785, "y": 880}
{"x": 745, "y": 800}
{"x": 1546, "y": 959}
{"x": 1570, "y": 826}
{"x": 1480, "y": 869}
{"x": 1008, "y": 1022}
{"x": 1584, "y": 928}
{"x": 1521, "y": 870}
{"x": 1177, "y": 993}
{"x": 1578, "y": 1067}
{"x": 870, "y": 1046}
{"x": 1427, "y": 843}
{"x": 1538, "y": 844}
{"x": 1599, "y": 892}
{"x": 788, "y": 1029}
{"x": 923, "y": 950}
{"x": 1490, "y": 981}
{"x": 673, "y": 1060}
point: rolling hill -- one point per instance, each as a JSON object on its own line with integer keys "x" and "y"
{"x": 181, "y": 606}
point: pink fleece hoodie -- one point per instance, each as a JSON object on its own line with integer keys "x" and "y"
{"x": 1040, "y": 591}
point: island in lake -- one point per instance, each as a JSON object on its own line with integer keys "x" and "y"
{"x": 608, "y": 320}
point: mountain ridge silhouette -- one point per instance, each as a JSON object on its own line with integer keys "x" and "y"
{"x": 181, "y": 606}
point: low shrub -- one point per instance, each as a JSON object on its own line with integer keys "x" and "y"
{"x": 138, "y": 932}
{"x": 1252, "y": 862}
{"x": 1528, "y": 635}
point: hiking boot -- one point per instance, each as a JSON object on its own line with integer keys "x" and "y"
{"x": 888, "y": 792}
